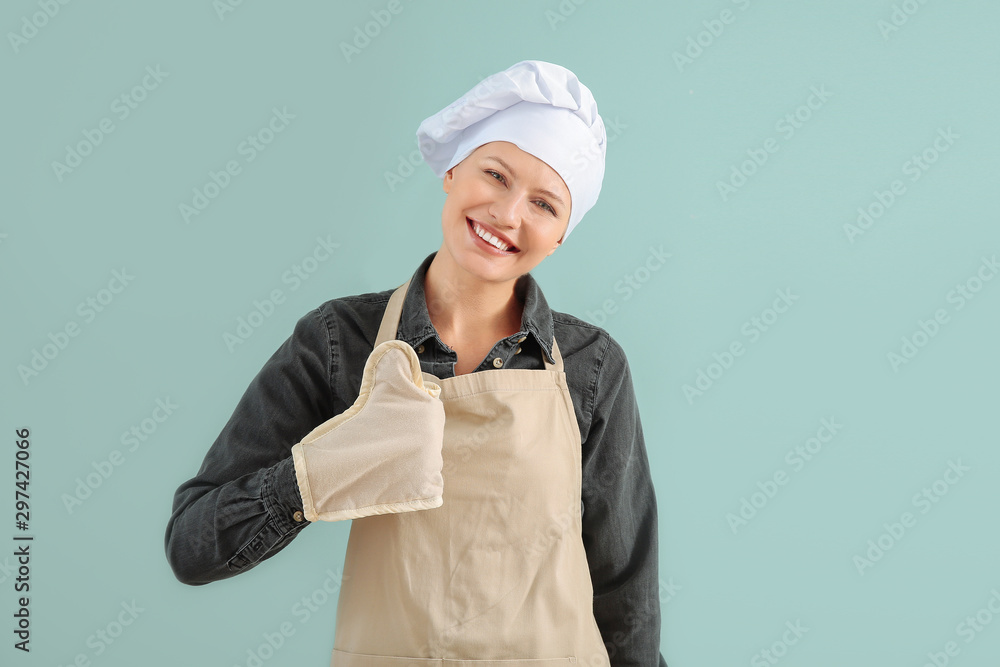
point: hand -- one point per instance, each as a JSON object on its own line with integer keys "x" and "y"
{"x": 383, "y": 454}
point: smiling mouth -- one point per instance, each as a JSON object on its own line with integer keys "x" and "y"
{"x": 490, "y": 239}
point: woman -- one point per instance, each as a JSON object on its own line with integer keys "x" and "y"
{"x": 539, "y": 544}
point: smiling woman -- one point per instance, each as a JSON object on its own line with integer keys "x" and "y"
{"x": 485, "y": 187}
{"x": 502, "y": 203}
{"x": 487, "y": 448}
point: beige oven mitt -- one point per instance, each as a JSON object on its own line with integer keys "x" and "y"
{"x": 383, "y": 454}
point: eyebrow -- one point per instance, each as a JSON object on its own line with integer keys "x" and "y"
{"x": 506, "y": 166}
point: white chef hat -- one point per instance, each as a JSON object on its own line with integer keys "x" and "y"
{"x": 540, "y": 107}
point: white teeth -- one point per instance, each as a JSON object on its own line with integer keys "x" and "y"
{"x": 489, "y": 238}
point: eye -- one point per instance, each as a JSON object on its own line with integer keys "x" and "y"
{"x": 494, "y": 173}
{"x": 499, "y": 177}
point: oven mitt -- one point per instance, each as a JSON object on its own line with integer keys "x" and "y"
{"x": 383, "y": 454}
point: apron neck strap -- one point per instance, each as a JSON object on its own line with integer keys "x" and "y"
{"x": 390, "y": 325}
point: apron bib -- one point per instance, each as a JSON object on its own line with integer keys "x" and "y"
{"x": 498, "y": 575}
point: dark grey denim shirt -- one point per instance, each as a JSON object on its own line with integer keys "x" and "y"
{"x": 244, "y": 505}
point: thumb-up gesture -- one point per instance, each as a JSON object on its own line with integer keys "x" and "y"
{"x": 383, "y": 454}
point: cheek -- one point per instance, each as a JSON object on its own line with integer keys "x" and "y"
{"x": 540, "y": 240}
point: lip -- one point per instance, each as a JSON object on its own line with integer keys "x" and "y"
{"x": 494, "y": 232}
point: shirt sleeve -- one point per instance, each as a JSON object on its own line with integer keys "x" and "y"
{"x": 240, "y": 509}
{"x": 620, "y": 520}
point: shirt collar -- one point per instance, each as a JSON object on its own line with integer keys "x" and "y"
{"x": 415, "y": 322}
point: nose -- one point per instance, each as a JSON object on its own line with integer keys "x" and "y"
{"x": 506, "y": 209}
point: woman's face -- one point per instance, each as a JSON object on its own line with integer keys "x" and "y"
{"x": 514, "y": 196}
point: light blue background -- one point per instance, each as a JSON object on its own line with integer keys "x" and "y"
{"x": 683, "y": 128}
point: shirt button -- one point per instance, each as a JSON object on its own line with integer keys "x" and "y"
{"x": 518, "y": 350}
{"x": 522, "y": 339}
{"x": 299, "y": 516}
{"x": 497, "y": 362}
{"x": 420, "y": 349}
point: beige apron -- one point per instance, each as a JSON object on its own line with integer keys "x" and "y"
{"x": 497, "y": 576}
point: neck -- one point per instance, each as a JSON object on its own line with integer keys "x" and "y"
{"x": 464, "y": 307}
